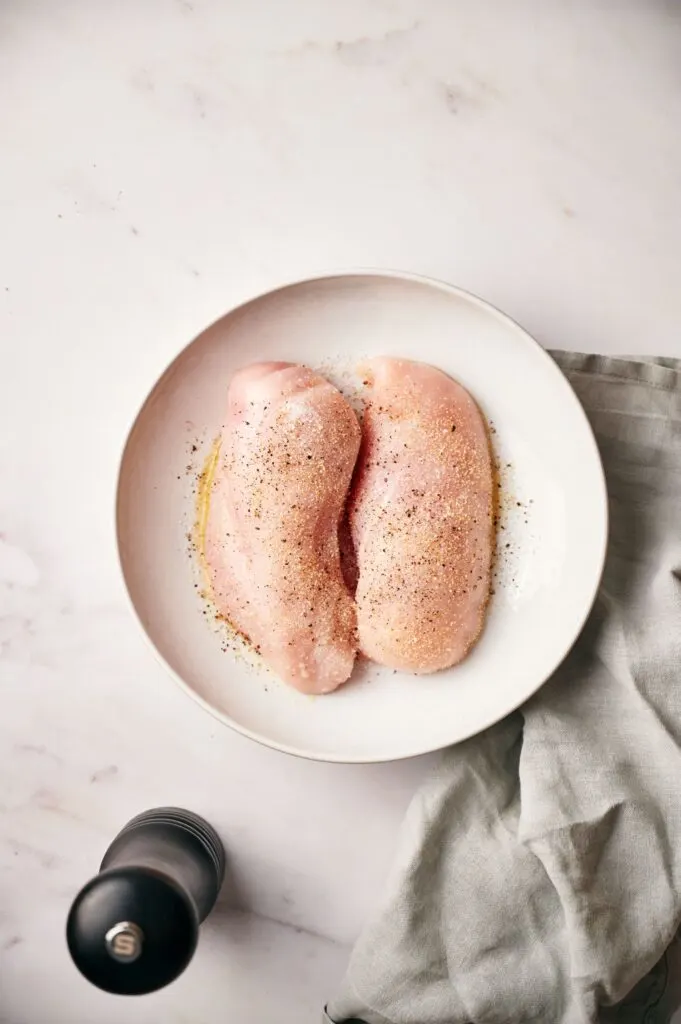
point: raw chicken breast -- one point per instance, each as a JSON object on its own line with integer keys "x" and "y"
{"x": 421, "y": 517}
{"x": 289, "y": 446}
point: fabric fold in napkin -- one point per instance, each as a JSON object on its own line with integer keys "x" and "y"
{"x": 539, "y": 871}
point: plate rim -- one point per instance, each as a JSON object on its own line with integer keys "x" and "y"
{"x": 440, "y": 285}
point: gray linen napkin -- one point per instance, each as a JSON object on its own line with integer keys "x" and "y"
{"x": 539, "y": 873}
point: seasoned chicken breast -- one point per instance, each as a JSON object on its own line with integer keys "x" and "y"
{"x": 421, "y": 518}
{"x": 289, "y": 446}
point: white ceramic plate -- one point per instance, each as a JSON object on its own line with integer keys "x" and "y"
{"x": 554, "y": 514}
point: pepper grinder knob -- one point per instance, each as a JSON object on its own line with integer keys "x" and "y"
{"x": 134, "y": 927}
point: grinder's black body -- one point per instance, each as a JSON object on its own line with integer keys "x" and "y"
{"x": 134, "y": 927}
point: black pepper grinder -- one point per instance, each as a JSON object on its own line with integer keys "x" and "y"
{"x": 134, "y": 927}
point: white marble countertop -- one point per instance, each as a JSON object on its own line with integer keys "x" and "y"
{"x": 161, "y": 161}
